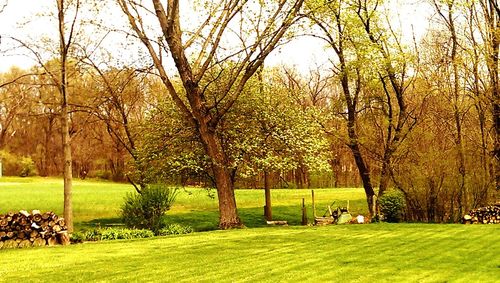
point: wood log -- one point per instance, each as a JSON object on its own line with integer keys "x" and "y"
{"x": 277, "y": 222}
{"x": 25, "y": 244}
{"x": 63, "y": 238}
{"x": 24, "y": 213}
{"x": 61, "y": 222}
{"x": 34, "y": 234}
{"x": 37, "y": 218}
{"x": 39, "y": 242}
{"x": 323, "y": 220}
{"x": 56, "y": 228}
{"x": 46, "y": 215}
{"x": 483, "y": 215}
{"x": 52, "y": 241}
{"x": 24, "y": 229}
{"x": 9, "y": 244}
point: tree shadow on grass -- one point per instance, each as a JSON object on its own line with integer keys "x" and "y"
{"x": 206, "y": 220}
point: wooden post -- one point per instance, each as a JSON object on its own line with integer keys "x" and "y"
{"x": 268, "y": 212}
{"x": 304, "y": 212}
{"x": 314, "y": 206}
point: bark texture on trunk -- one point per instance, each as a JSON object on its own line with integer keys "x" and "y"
{"x": 228, "y": 213}
{"x": 268, "y": 212}
{"x": 364, "y": 173}
{"x": 205, "y": 115}
{"x": 65, "y": 120}
{"x": 68, "y": 171}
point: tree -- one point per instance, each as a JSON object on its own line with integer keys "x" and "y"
{"x": 338, "y": 30}
{"x": 3, "y": 5}
{"x": 393, "y": 72}
{"x": 447, "y": 13}
{"x": 491, "y": 36}
{"x": 66, "y": 37}
{"x": 260, "y": 28}
{"x": 14, "y": 98}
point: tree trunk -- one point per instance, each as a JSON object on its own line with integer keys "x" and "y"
{"x": 66, "y": 139}
{"x": 364, "y": 173}
{"x": 268, "y": 212}
{"x": 68, "y": 173}
{"x": 228, "y": 213}
{"x": 495, "y": 87}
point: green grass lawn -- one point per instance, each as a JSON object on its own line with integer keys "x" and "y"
{"x": 349, "y": 253}
{"x": 337, "y": 253}
{"x": 98, "y": 203}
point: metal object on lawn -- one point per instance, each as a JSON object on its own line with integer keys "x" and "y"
{"x": 340, "y": 215}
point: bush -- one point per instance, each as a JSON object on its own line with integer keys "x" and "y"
{"x": 14, "y": 165}
{"x": 146, "y": 210}
{"x": 111, "y": 234}
{"x": 28, "y": 168}
{"x": 392, "y": 205}
{"x": 116, "y": 234}
{"x": 103, "y": 174}
{"x": 175, "y": 229}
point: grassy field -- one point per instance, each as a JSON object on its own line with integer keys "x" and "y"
{"x": 98, "y": 203}
{"x": 349, "y": 253}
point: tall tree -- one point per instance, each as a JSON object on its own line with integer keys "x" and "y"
{"x": 447, "y": 12}
{"x": 66, "y": 37}
{"x": 491, "y": 13}
{"x": 393, "y": 71}
{"x": 203, "y": 50}
{"x": 338, "y": 29}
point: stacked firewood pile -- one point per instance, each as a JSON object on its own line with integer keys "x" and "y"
{"x": 24, "y": 229}
{"x": 483, "y": 215}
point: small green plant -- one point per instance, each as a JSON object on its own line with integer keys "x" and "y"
{"x": 28, "y": 168}
{"x": 117, "y": 234}
{"x": 77, "y": 237}
{"x": 392, "y": 205}
{"x": 175, "y": 229}
{"x": 14, "y": 165}
{"x": 146, "y": 210}
{"x": 110, "y": 234}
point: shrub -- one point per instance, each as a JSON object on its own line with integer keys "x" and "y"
{"x": 28, "y": 168}
{"x": 111, "y": 234}
{"x": 175, "y": 229}
{"x": 103, "y": 174}
{"x": 146, "y": 210}
{"x": 392, "y": 205}
{"x": 116, "y": 234}
{"x": 14, "y": 165}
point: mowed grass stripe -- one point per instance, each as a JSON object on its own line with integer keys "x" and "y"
{"x": 363, "y": 253}
{"x": 353, "y": 253}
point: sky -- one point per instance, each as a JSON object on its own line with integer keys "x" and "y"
{"x": 303, "y": 53}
